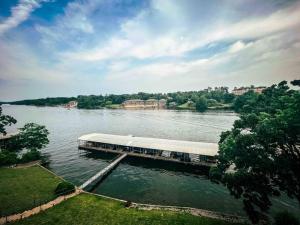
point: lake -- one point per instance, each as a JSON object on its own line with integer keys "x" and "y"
{"x": 138, "y": 180}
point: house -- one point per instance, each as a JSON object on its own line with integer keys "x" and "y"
{"x": 71, "y": 104}
{"x": 243, "y": 90}
{"x": 147, "y": 104}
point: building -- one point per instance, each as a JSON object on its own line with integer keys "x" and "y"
{"x": 147, "y": 104}
{"x": 162, "y": 104}
{"x": 71, "y": 104}
{"x": 187, "y": 152}
{"x": 5, "y": 139}
{"x": 243, "y": 90}
{"x": 133, "y": 103}
{"x": 151, "y": 104}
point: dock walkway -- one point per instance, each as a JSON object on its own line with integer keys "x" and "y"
{"x": 103, "y": 172}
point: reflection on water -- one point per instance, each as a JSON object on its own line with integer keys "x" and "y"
{"x": 137, "y": 179}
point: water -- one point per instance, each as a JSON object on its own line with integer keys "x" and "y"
{"x": 138, "y": 180}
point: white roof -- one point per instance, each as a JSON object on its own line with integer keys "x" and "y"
{"x": 201, "y": 148}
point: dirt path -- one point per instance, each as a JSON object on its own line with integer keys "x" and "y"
{"x": 38, "y": 209}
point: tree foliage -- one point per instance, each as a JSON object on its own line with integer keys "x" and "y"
{"x": 201, "y": 104}
{"x": 263, "y": 149}
{"x": 33, "y": 136}
{"x": 284, "y": 218}
{"x": 5, "y": 120}
{"x": 45, "y": 101}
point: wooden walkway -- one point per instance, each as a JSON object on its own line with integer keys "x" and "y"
{"x": 98, "y": 176}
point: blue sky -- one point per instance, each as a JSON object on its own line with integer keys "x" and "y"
{"x": 67, "y": 48}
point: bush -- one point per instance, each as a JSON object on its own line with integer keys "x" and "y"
{"x": 284, "y": 218}
{"x": 64, "y": 188}
{"x": 30, "y": 156}
{"x": 8, "y": 158}
{"x": 201, "y": 104}
{"x": 127, "y": 204}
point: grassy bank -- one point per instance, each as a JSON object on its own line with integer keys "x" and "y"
{"x": 91, "y": 209}
{"x": 23, "y": 188}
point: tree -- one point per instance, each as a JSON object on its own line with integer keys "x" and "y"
{"x": 201, "y": 104}
{"x": 295, "y": 82}
{"x": 33, "y": 136}
{"x": 263, "y": 149}
{"x": 5, "y": 120}
{"x": 241, "y": 102}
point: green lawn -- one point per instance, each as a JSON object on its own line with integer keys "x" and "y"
{"x": 113, "y": 106}
{"x": 22, "y": 188}
{"x": 186, "y": 106}
{"x": 90, "y": 209}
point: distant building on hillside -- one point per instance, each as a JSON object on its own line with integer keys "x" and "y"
{"x": 133, "y": 103}
{"x": 243, "y": 90}
{"x": 71, "y": 104}
{"x": 147, "y": 104}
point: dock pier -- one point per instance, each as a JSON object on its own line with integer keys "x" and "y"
{"x": 186, "y": 152}
{"x": 98, "y": 176}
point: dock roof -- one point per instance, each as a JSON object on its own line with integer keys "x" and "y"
{"x": 201, "y": 148}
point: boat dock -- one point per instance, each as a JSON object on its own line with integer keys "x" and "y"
{"x": 98, "y": 176}
{"x": 187, "y": 152}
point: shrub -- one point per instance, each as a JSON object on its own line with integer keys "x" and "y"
{"x": 8, "y": 158}
{"x": 30, "y": 156}
{"x": 64, "y": 188}
{"x": 201, "y": 104}
{"x": 127, "y": 204}
{"x": 284, "y": 218}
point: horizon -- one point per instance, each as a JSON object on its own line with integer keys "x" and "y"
{"x": 71, "y": 47}
{"x": 163, "y": 93}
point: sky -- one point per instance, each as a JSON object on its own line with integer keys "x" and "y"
{"x": 75, "y": 47}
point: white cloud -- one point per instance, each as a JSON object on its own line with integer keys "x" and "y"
{"x": 266, "y": 61}
{"x": 19, "y": 13}
{"x": 139, "y": 38}
{"x": 151, "y": 51}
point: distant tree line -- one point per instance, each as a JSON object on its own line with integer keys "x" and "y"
{"x": 44, "y": 101}
{"x": 218, "y": 97}
{"x": 210, "y": 98}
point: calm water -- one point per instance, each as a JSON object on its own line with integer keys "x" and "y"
{"x": 138, "y": 180}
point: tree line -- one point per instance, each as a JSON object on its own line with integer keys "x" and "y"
{"x": 218, "y": 97}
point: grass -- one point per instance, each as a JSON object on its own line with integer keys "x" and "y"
{"x": 186, "y": 106}
{"x": 91, "y": 209}
{"x": 24, "y": 188}
{"x": 113, "y": 106}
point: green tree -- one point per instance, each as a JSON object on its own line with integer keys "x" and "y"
{"x": 33, "y": 136}
{"x": 5, "y": 120}
{"x": 201, "y": 104}
{"x": 262, "y": 150}
{"x": 242, "y": 102}
{"x": 295, "y": 82}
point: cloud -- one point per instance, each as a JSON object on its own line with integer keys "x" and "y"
{"x": 139, "y": 38}
{"x": 238, "y": 46}
{"x": 163, "y": 46}
{"x": 265, "y": 61}
{"x": 19, "y": 14}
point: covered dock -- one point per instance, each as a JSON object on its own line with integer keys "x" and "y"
{"x": 189, "y": 152}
